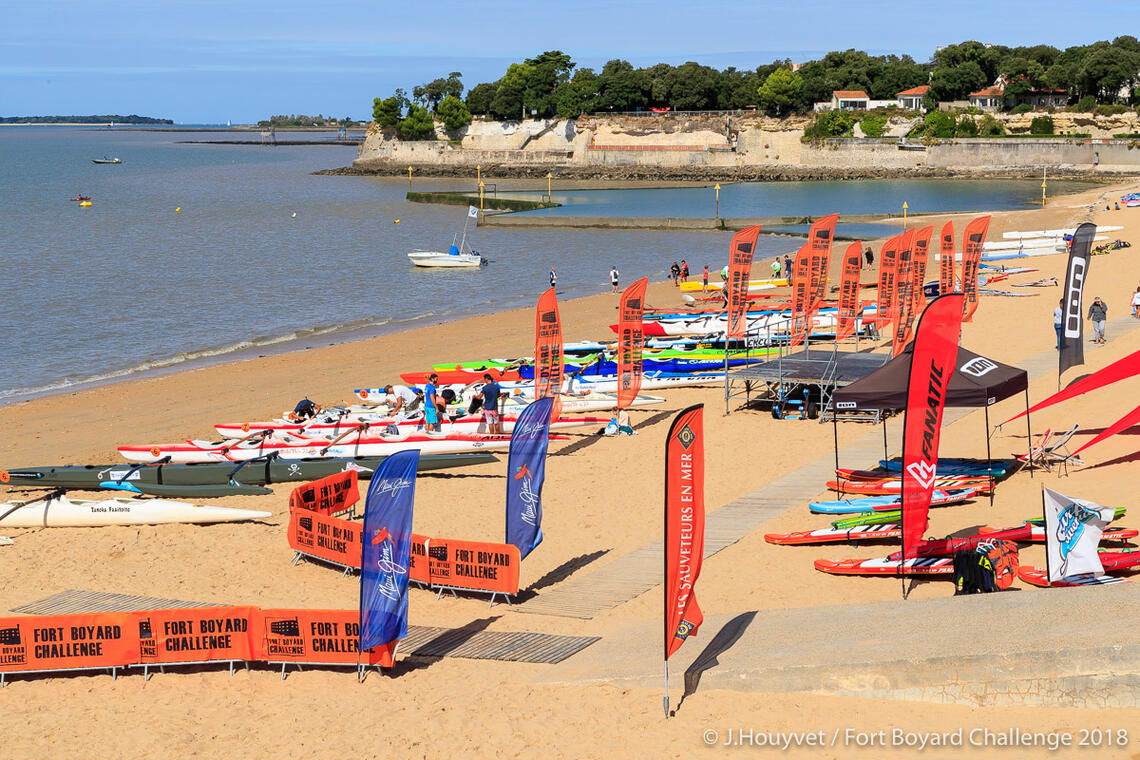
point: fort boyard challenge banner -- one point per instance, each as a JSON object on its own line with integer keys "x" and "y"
{"x": 946, "y": 260}
{"x": 684, "y": 525}
{"x": 888, "y": 269}
{"x": 801, "y": 295}
{"x": 903, "y": 298}
{"x": 973, "y": 239}
{"x": 820, "y": 235}
{"x": 849, "y": 291}
{"x": 1072, "y": 351}
{"x": 547, "y": 347}
{"x": 931, "y": 367}
{"x": 740, "y": 253}
{"x": 631, "y": 341}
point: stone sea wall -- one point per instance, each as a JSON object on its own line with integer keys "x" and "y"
{"x": 750, "y": 147}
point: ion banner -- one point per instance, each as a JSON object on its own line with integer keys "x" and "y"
{"x": 973, "y": 240}
{"x": 330, "y": 495}
{"x": 1072, "y": 351}
{"x": 631, "y": 340}
{"x": 386, "y": 554}
{"x": 1072, "y": 533}
{"x": 684, "y": 525}
{"x": 739, "y": 270}
{"x": 931, "y": 367}
{"x": 526, "y": 472}
{"x": 547, "y": 347}
{"x": 946, "y": 255}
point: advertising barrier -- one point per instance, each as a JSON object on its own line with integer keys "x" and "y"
{"x": 193, "y": 634}
{"x": 67, "y": 642}
{"x": 329, "y": 495}
{"x": 310, "y": 637}
{"x": 331, "y": 539}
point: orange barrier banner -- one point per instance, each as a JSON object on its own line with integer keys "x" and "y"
{"x": 946, "y": 260}
{"x": 329, "y": 495}
{"x": 849, "y": 291}
{"x": 547, "y": 347}
{"x": 193, "y": 634}
{"x": 67, "y": 642}
{"x": 325, "y": 537}
{"x": 468, "y": 565}
{"x": 973, "y": 240}
{"x": 740, "y": 252}
{"x": 317, "y": 637}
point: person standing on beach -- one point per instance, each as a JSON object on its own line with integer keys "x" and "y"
{"x": 705, "y": 278}
{"x": 776, "y": 268}
{"x": 675, "y": 274}
{"x": 1059, "y": 319}
{"x": 491, "y": 392}
{"x": 788, "y": 268}
{"x": 1136, "y": 303}
{"x": 684, "y": 271}
{"x": 869, "y": 255}
{"x": 553, "y": 277}
{"x": 431, "y": 405}
{"x": 615, "y": 276}
{"x": 1098, "y": 313}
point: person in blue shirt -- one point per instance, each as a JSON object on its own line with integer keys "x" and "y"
{"x": 431, "y": 408}
{"x": 305, "y": 410}
{"x": 491, "y": 391}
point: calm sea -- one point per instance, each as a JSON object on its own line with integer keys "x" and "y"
{"x": 131, "y": 285}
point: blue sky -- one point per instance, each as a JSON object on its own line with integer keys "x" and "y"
{"x": 209, "y": 60}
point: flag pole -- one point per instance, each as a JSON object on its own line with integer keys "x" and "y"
{"x": 666, "y": 697}
{"x": 665, "y": 570}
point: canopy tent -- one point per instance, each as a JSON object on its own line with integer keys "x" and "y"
{"x": 977, "y": 382}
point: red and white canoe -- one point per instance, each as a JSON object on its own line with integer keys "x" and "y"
{"x": 1112, "y": 562}
{"x": 884, "y": 566}
{"x": 297, "y": 447}
{"x": 473, "y": 424}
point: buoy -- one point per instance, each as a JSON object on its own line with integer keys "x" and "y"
{"x": 397, "y": 221}
{"x": 178, "y": 210}
{"x": 85, "y": 203}
{"x": 294, "y": 214}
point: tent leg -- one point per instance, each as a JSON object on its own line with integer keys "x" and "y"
{"x": 835, "y": 434}
{"x": 1028, "y": 435}
{"x": 885, "y": 457}
{"x": 988, "y": 456}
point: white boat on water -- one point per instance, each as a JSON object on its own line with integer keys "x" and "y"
{"x": 456, "y": 256}
{"x": 58, "y": 511}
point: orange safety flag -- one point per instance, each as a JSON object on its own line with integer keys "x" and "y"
{"x": 468, "y": 565}
{"x": 946, "y": 263}
{"x": 548, "y": 349}
{"x": 800, "y": 327}
{"x": 194, "y": 634}
{"x": 849, "y": 291}
{"x": 931, "y": 367}
{"x": 904, "y": 300}
{"x": 325, "y": 537}
{"x": 317, "y": 637}
{"x": 888, "y": 269}
{"x": 68, "y": 642}
{"x": 684, "y": 525}
{"x": 973, "y": 239}
{"x": 631, "y": 340}
{"x": 820, "y": 235}
{"x": 739, "y": 270}
{"x": 329, "y": 495}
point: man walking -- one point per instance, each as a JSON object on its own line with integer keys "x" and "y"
{"x": 553, "y": 277}
{"x": 1098, "y": 313}
{"x": 615, "y": 275}
{"x": 431, "y": 404}
{"x": 788, "y": 268}
{"x": 491, "y": 392}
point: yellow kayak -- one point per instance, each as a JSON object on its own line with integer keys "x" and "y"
{"x": 752, "y": 285}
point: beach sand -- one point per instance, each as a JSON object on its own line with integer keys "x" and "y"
{"x": 602, "y": 497}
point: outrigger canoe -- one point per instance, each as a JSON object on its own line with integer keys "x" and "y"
{"x": 57, "y": 511}
{"x": 471, "y": 424}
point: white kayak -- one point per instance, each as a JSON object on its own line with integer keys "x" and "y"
{"x": 58, "y": 511}
{"x": 472, "y": 423}
{"x": 588, "y": 384}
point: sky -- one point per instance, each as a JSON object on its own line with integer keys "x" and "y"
{"x": 212, "y": 61}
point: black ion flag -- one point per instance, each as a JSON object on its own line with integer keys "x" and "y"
{"x": 1072, "y": 351}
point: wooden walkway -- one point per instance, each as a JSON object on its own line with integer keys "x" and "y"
{"x": 589, "y": 595}
{"x": 75, "y": 602}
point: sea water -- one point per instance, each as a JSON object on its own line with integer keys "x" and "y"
{"x": 195, "y": 253}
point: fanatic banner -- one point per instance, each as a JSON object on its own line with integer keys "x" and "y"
{"x": 526, "y": 472}
{"x": 547, "y": 347}
{"x": 1072, "y": 351}
{"x": 631, "y": 340}
{"x": 739, "y": 270}
{"x": 1073, "y": 528}
{"x": 946, "y": 255}
{"x": 386, "y": 554}
{"x": 931, "y": 367}
{"x": 849, "y": 291}
{"x": 973, "y": 240}
{"x": 684, "y": 525}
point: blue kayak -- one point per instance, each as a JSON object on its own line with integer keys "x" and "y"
{"x": 878, "y": 503}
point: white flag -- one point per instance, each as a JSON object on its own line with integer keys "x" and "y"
{"x": 472, "y": 212}
{"x": 1072, "y": 532}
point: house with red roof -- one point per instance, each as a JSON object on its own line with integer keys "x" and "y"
{"x": 988, "y": 99}
{"x": 912, "y": 99}
{"x": 849, "y": 100}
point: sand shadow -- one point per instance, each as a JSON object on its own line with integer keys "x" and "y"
{"x": 724, "y": 640}
{"x": 559, "y": 574}
{"x": 589, "y": 439}
{"x": 1133, "y": 457}
{"x": 425, "y": 655}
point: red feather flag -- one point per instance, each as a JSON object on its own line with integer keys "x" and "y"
{"x": 684, "y": 525}
{"x": 801, "y": 296}
{"x": 931, "y": 367}
{"x": 849, "y": 291}
{"x": 548, "y": 350}
{"x": 946, "y": 262}
{"x": 919, "y": 255}
{"x": 888, "y": 269}
{"x": 630, "y": 342}
{"x": 739, "y": 270}
{"x": 903, "y": 300}
{"x": 972, "y": 241}
{"x": 819, "y": 241}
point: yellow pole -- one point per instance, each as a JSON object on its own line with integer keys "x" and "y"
{"x": 548, "y": 187}
{"x": 717, "y": 188}
{"x": 409, "y": 176}
{"x": 904, "y": 214}
{"x": 478, "y": 173}
{"x": 480, "y": 195}
{"x": 1042, "y": 188}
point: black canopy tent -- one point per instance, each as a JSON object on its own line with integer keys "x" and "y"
{"x": 977, "y": 381}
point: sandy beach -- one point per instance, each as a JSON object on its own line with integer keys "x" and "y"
{"x": 602, "y": 500}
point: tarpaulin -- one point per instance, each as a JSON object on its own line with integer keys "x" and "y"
{"x": 467, "y": 565}
{"x": 67, "y": 642}
{"x": 317, "y": 637}
{"x": 194, "y": 634}
{"x": 325, "y": 537}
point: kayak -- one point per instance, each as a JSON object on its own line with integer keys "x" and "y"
{"x": 610, "y": 383}
{"x": 893, "y": 486}
{"x": 57, "y": 511}
{"x": 285, "y": 446}
{"x": 1111, "y": 562}
{"x": 844, "y": 473}
{"x": 915, "y": 566}
{"x": 887, "y": 503}
{"x": 778, "y": 282}
{"x": 467, "y": 424}
{"x": 220, "y": 475}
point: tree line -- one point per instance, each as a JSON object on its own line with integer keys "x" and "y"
{"x": 551, "y": 84}
{"x": 106, "y": 119}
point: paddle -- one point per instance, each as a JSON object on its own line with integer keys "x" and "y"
{"x": 255, "y": 434}
{"x": 358, "y": 429}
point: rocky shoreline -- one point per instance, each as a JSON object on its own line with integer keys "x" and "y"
{"x": 711, "y": 173}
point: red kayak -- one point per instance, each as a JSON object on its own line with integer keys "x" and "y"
{"x": 1117, "y": 562}
{"x": 893, "y": 486}
{"x": 460, "y": 376}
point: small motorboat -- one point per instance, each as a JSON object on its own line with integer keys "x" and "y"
{"x": 80, "y": 198}
{"x": 105, "y": 160}
{"x": 456, "y": 256}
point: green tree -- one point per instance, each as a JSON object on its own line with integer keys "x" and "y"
{"x": 966, "y": 126}
{"x": 480, "y": 96}
{"x": 831, "y": 124}
{"x": 958, "y": 81}
{"x": 991, "y": 127}
{"x": 570, "y": 102}
{"x": 586, "y": 83}
{"x": 619, "y": 87}
{"x": 1021, "y": 75}
{"x": 694, "y": 87}
{"x": 453, "y": 113}
{"x": 511, "y": 93}
{"x": 546, "y": 73}
{"x": 781, "y": 91}
{"x": 386, "y": 112}
{"x": 936, "y": 124}
{"x": 1041, "y": 125}
{"x": 417, "y": 125}
{"x": 433, "y": 92}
